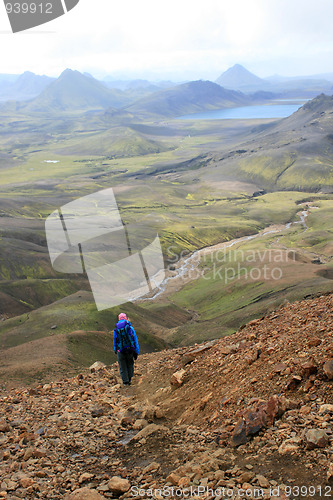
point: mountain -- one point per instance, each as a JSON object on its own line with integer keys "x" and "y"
{"x": 292, "y": 154}
{"x": 247, "y": 413}
{"x": 239, "y": 78}
{"x": 309, "y": 86}
{"x": 30, "y": 84}
{"x": 73, "y": 91}
{"x": 187, "y": 98}
{"x": 24, "y": 87}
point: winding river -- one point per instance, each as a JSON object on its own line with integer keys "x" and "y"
{"x": 184, "y": 270}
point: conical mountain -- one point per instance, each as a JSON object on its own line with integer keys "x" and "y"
{"x": 239, "y": 78}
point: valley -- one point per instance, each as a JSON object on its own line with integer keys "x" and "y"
{"x": 197, "y": 183}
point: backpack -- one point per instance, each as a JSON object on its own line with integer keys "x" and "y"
{"x": 125, "y": 338}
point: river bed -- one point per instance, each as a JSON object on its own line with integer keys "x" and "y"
{"x": 186, "y": 269}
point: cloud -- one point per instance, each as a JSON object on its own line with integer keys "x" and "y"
{"x": 168, "y": 37}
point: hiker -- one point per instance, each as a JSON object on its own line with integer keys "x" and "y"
{"x": 126, "y": 346}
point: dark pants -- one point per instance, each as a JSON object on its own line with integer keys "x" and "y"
{"x": 126, "y": 366}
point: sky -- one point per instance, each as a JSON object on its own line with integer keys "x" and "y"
{"x": 176, "y": 39}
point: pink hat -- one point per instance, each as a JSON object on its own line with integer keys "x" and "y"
{"x": 122, "y": 316}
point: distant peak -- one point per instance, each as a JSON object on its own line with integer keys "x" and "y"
{"x": 238, "y": 77}
{"x": 237, "y": 66}
{"x": 68, "y": 72}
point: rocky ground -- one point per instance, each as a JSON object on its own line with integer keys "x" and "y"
{"x": 247, "y": 416}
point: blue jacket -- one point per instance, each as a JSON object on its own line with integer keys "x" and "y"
{"x": 116, "y": 343}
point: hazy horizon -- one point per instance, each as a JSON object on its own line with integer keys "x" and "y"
{"x": 120, "y": 77}
{"x": 176, "y": 41}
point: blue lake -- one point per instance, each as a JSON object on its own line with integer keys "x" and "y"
{"x": 247, "y": 112}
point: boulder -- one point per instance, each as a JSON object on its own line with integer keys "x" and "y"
{"x": 248, "y": 426}
{"x": 252, "y": 421}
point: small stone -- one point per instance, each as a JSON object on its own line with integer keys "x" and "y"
{"x": 280, "y": 367}
{"x": 39, "y": 453}
{"x": 328, "y": 369}
{"x": 316, "y": 438}
{"x": 97, "y": 366}
{"x": 308, "y": 369}
{"x": 314, "y": 342}
{"x": 103, "y": 488}
{"x": 326, "y": 409}
{"x": 97, "y": 412}
{"x": 139, "y": 424}
{"x": 330, "y": 473}
{"x": 159, "y": 413}
{"x": 177, "y": 379}
{"x": 263, "y": 482}
{"x": 184, "y": 482}
{"x": 28, "y": 453}
{"x": 173, "y": 479}
{"x": 287, "y": 447}
{"x": 84, "y": 494}
{"x": 154, "y": 466}
{"x": 293, "y": 382}
{"x": 25, "y": 482}
{"x": 11, "y": 485}
{"x": 118, "y": 485}
{"x": 246, "y": 477}
{"x": 149, "y": 430}
{"x": 85, "y": 477}
{"x": 4, "y": 426}
{"x": 191, "y": 355}
{"x": 307, "y": 386}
